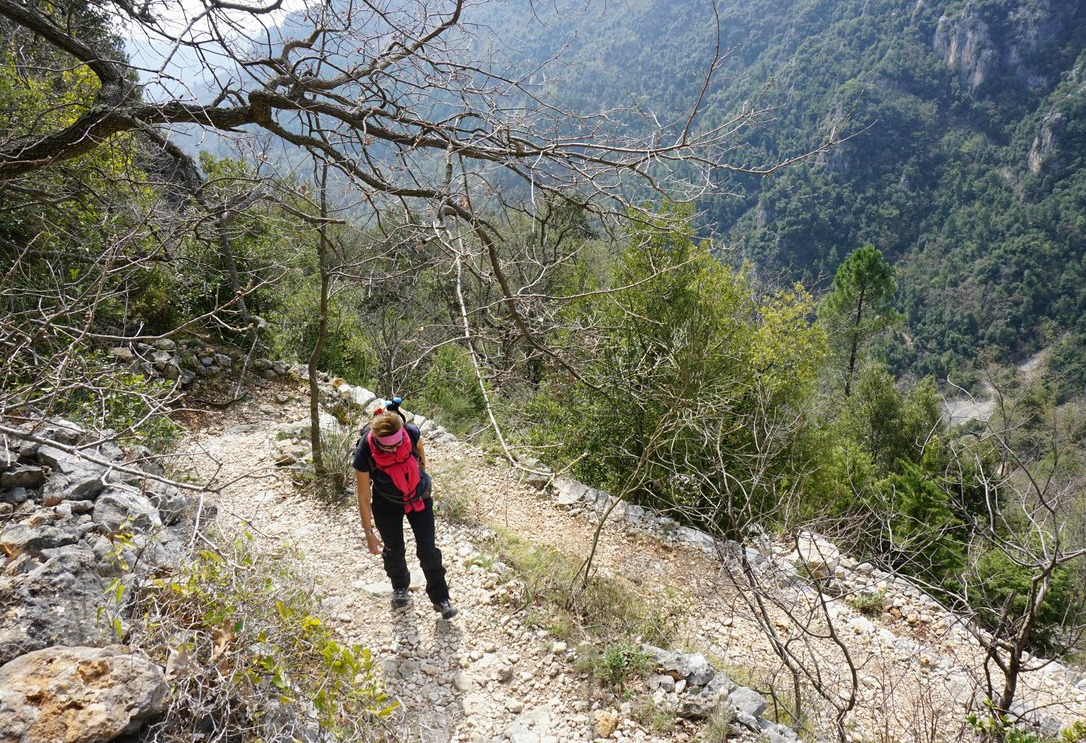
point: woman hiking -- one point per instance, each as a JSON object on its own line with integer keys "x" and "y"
{"x": 391, "y": 482}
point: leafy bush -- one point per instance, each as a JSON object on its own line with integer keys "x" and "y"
{"x": 689, "y": 365}
{"x": 1076, "y": 733}
{"x": 249, "y": 659}
{"x": 454, "y": 503}
{"x": 868, "y": 603}
{"x": 995, "y": 727}
{"x": 294, "y": 326}
{"x": 1002, "y": 585}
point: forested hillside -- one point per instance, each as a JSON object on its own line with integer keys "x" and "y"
{"x": 962, "y": 152}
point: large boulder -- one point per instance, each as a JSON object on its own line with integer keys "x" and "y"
{"x": 171, "y": 503}
{"x": 22, "y": 476}
{"x": 815, "y": 557}
{"x": 79, "y": 695}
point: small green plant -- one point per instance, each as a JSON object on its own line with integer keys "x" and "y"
{"x": 718, "y": 727}
{"x": 238, "y": 632}
{"x": 337, "y": 448}
{"x": 112, "y": 608}
{"x": 999, "y": 728}
{"x": 868, "y": 603}
{"x": 333, "y": 485}
{"x": 617, "y": 665}
{"x": 604, "y": 608}
{"x": 1075, "y": 733}
{"x": 657, "y": 718}
{"x": 456, "y": 504}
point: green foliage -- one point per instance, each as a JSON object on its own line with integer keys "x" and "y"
{"x": 923, "y": 536}
{"x": 686, "y": 360}
{"x": 346, "y": 351}
{"x": 868, "y": 603}
{"x": 245, "y": 645}
{"x": 977, "y": 193}
{"x": 1076, "y": 733}
{"x": 1000, "y": 728}
{"x": 449, "y": 390}
{"x": 453, "y": 502}
{"x": 891, "y": 426}
{"x": 718, "y": 728}
{"x": 617, "y": 665}
{"x": 122, "y": 401}
{"x": 1068, "y": 367}
{"x": 859, "y": 306}
{"x": 657, "y": 718}
{"x": 1005, "y": 589}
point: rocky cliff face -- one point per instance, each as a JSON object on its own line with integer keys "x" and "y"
{"x": 978, "y": 46}
{"x": 966, "y": 45}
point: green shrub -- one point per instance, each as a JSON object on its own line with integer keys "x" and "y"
{"x": 617, "y": 665}
{"x": 293, "y": 329}
{"x": 1001, "y": 584}
{"x": 1076, "y": 733}
{"x": 454, "y": 503}
{"x": 868, "y": 603}
{"x": 1000, "y": 728}
{"x": 450, "y": 392}
{"x": 108, "y": 398}
{"x": 657, "y": 718}
{"x": 238, "y": 632}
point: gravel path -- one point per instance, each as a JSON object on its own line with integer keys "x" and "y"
{"x": 490, "y": 676}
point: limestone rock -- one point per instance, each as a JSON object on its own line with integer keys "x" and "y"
{"x": 123, "y": 354}
{"x": 33, "y": 619}
{"x": 170, "y": 502}
{"x": 120, "y": 510}
{"x": 965, "y": 43}
{"x": 604, "y": 723}
{"x": 815, "y": 557}
{"x": 746, "y": 701}
{"x": 22, "y": 476}
{"x": 18, "y": 539}
{"x": 79, "y": 694}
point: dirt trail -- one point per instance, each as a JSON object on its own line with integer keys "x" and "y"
{"x": 490, "y": 675}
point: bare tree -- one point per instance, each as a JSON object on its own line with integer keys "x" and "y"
{"x": 1025, "y": 582}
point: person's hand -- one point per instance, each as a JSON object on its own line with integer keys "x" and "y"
{"x": 373, "y": 544}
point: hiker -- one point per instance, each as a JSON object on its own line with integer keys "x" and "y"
{"x": 391, "y": 482}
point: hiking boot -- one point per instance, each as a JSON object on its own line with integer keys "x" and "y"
{"x": 446, "y": 609}
{"x": 400, "y": 598}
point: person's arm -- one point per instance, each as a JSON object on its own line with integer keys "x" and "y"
{"x": 421, "y": 451}
{"x": 362, "y": 489}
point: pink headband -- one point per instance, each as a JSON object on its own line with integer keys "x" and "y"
{"x": 392, "y": 438}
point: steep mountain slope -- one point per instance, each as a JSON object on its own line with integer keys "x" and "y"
{"x": 961, "y": 159}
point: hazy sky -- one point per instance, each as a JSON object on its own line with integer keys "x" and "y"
{"x": 169, "y": 69}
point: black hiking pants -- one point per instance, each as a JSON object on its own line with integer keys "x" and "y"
{"x": 388, "y": 518}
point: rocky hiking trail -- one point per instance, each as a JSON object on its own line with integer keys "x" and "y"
{"x": 492, "y": 675}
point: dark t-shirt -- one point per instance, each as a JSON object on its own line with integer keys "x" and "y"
{"x": 381, "y": 485}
